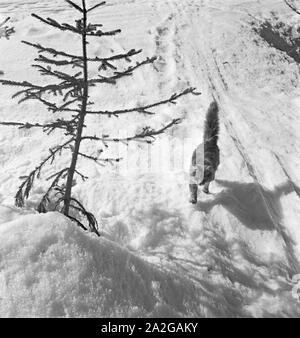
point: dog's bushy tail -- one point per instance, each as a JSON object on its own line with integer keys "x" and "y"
{"x": 211, "y": 127}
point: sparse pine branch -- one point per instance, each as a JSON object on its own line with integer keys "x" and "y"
{"x": 93, "y": 224}
{"x": 68, "y": 78}
{"x": 147, "y": 135}
{"x": 78, "y": 207}
{"x": 65, "y": 106}
{"x": 26, "y": 186}
{"x": 96, "y": 6}
{"x": 42, "y": 207}
{"x": 53, "y": 106}
{"x": 145, "y": 109}
{"x": 75, "y": 220}
{"x": 53, "y": 23}
{"x": 74, "y": 83}
{"x": 48, "y": 128}
{"x": 99, "y": 33}
{"x": 6, "y": 31}
{"x": 4, "y": 22}
{"x": 25, "y": 84}
{"x": 131, "y": 69}
{"x": 139, "y": 109}
{"x": 52, "y": 51}
{"x": 93, "y": 158}
{"x": 33, "y": 91}
{"x": 83, "y": 177}
{"x": 77, "y": 58}
{"x": 88, "y": 29}
{"x": 44, "y": 59}
{"x": 74, "y": 5}
{"x": 100, "y": 161}
{"x": 118, "y": 75}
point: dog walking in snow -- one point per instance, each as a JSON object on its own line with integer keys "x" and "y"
{"x": 206, "y": 157}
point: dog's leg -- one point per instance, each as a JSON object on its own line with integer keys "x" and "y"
{"x": 206, "y": 188}
{"x": 193, "y": 192}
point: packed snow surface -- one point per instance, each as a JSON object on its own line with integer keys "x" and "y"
{"x": 237, "y": 252}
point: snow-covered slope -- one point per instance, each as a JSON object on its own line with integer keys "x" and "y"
{"x": 236, "y": 251}
{"x": 50, "y": 269}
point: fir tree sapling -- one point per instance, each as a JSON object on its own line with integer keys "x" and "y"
{"x": 73, "y": 88}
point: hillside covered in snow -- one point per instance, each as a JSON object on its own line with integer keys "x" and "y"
{"x": 237, "y": 251}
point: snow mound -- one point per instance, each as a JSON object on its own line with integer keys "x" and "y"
{"x": 50, "y": 268}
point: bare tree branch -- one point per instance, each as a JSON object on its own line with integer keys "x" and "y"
{"x": 33, "y": 91}
{"x": 48, "y": 128}
{"x": 42, "y": 207}
{"x": 83, "y": 177}
{"x": 6, "y": 31}
{"x": 96, "y": 6}
{"x": 55, "y": 53}
{"x": 90, "y": 30}
{"x": 145, "y": 109}
{"x": 147, "y": 135}
{"x": 74, "y": 5}
{"x": 119, "y": 75}
{"x": 100, "y": 160}
{"x": 56, "y": 24}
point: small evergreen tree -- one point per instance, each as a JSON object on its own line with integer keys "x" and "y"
{"x": 73, "y": 88}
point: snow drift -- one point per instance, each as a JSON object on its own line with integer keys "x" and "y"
{"x": 49, "y": 268}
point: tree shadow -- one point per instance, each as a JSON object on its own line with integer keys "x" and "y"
{"x": 212, "y": 264}
{"x": 257, "y": 208}
{"x": 253, "y": 205}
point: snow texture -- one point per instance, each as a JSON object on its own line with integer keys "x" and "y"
{"x": 236, "y": 251}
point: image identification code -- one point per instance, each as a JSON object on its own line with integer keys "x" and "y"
{"x": 152, "y": 327}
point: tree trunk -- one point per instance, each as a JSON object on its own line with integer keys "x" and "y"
{"x": 71, "y": 172}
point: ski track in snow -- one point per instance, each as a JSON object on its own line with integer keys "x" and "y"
{"x": 240, "y": 246}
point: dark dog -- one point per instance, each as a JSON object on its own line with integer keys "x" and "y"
{"x": 206, "y": 157}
